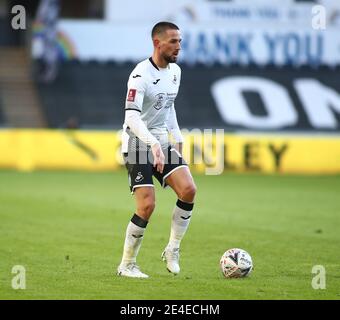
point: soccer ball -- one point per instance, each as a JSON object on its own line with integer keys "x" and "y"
{"x": 236, "y": 263}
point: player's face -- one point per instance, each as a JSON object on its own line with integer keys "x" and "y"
{"x": 170, "y": 45}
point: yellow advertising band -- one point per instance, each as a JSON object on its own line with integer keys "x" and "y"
{"x": 27, "y": 150}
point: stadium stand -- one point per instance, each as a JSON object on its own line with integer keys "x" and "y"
{"x": 20, "y": 102}
{"x": 94, "y": 93}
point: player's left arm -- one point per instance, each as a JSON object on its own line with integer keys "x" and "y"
{"x": 174, "y": 129}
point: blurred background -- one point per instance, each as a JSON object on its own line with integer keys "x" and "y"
{"x": 264, "y": 71}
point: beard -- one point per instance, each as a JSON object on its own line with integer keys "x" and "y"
{"x": 170, "y": 59}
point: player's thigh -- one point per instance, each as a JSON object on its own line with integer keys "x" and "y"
{"x": 182, "y": 182}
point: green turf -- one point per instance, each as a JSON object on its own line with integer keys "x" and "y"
{"x": 67, "y": 230}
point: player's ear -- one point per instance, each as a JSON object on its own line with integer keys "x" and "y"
{"x": 156, "y": 42}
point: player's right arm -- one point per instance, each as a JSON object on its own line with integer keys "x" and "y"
{"x": 133, "y": 108}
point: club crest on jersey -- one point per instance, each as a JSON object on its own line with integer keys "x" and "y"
{"x": 160, "y": 97}
{"x": 174, "y": 79}
{"x": 139, "y": 177}
{"x": 131, "y": 95}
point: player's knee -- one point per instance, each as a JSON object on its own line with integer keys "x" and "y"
{"x": 148, "y": 206}
{"x": 189, "y": 192}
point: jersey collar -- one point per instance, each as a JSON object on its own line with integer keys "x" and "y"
{"x": 155, "y": 65}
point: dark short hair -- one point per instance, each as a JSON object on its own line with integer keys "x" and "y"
{"x": 162, "y": 26}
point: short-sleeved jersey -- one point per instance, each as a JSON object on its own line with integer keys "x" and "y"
{"x": 152, "y": 92}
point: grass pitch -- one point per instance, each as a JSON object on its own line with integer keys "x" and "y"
{"x": 67, "y": 230}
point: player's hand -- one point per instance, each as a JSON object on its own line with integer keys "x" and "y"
{"x": 158, "y": 157}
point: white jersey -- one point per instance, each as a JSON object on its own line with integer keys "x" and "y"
{"x": 152, "y": 92}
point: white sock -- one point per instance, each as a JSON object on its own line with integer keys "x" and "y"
{"x": 180, "y": 222}
{"x": 133, "y": 239}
